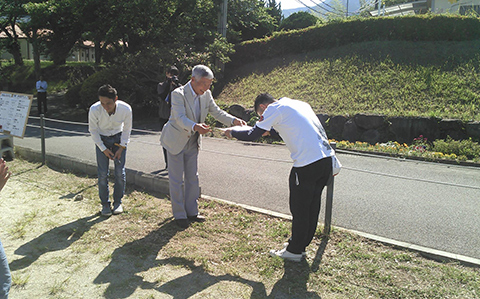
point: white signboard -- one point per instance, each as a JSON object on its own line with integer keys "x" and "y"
{"x": 14, "y": 111}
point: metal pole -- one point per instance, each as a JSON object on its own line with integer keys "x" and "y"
{"x": 222, "y": 29}
{"x": 223, "y": 18}
{"x": 329, "y": 201}
{"x": 42, "y": 133}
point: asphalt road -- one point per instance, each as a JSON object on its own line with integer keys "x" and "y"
{"x": 427, "y": 204}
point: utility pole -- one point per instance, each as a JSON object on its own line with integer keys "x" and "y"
{"x": 222, "y": 29}
{"x": 222, "y": 19}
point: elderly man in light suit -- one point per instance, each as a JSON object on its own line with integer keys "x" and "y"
{"x": 181, "y": 137}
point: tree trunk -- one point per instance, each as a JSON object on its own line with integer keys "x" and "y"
{"x": 36, "y": 60}
{"x": 36, "y": 54}
{"x": 98, "y": 52}
{"x": 14, "y": 49}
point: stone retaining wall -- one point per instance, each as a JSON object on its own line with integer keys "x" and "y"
{"x": 379, "y": 128}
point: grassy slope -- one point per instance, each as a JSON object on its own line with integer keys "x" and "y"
{"x": 429, "y": 79}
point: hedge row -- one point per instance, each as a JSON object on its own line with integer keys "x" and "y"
{"x": 338, "y": 33}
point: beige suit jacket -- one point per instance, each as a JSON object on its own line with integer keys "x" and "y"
{"x": 178, "y": 130}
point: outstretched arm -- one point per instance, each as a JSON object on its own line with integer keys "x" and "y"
{"x": 250, "y": 135}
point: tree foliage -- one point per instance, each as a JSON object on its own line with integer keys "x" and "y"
{"x": 117, "y": 27}
{"x": 139, "y": 37}
{"x": 10, "y": 13}
{"x": 298, "y": 20}
{"x": 249, "y": 19}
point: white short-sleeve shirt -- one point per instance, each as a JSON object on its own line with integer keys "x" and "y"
{"x": 299, "y": 128}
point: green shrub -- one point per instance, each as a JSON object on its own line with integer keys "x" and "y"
{"x": 467, "y": 147}
{"x": 297, "y": 20}
{"x": 19, "y": 78}
{"x": 89, "y": 90}
{"x": 72, "y": 96}
{"x": 353, "y": 30}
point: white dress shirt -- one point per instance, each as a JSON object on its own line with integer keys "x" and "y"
{"x": 101, "y": 123}
{"x": 196, "y": 101}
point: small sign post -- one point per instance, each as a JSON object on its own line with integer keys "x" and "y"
{"x": 14, "y": 112}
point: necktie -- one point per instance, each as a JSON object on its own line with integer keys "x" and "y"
{"x": 197, "y": 108}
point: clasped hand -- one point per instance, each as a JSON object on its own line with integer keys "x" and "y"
{"x": 236, "y": 122}
{"x": 204, "y": 128}
{"x": 111, "y": 155}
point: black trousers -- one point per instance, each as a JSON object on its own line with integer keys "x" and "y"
{"x": 306, "y": 185}
{"x": 42, "y": 102}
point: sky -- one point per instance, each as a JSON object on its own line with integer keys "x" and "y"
{"x": 287, "y": 4}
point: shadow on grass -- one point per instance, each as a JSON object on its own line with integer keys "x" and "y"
{"x": 123, "y": 274}
{"x": 56, "y": 239}
{"x": 19, "y": 173}
{"x": 319, "y": 255}
{"x": 293, "y": 284}
{"x": 72, "y": 195}
{"x": 199, "y": 279}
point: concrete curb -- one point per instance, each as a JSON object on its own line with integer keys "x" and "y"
{"x": 157, "y": 183}
{"x": 149, "y": 182}
{"x": 434, "y": 254}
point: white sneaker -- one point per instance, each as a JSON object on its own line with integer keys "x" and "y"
{"x": 286, "y": 255}
{"x": 118, "y": 210}
{"x": 285, "y": 245}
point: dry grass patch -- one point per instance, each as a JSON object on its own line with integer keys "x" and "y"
{"x": 68, "y": 251}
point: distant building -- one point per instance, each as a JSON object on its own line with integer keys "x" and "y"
{"x": 455, "y": 6}
{"x": 462, "y": 7}
{"x": 84, "y": 51}
{"x": 25, "y": 47}
{"x": 81, "y": 51}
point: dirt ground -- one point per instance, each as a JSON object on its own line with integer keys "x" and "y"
{"x": 58, "y": 246}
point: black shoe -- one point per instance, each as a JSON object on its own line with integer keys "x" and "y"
{"x": 182, "y": 223}
{"x": 197, "y": 218}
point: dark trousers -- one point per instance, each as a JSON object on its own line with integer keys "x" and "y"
{"x": 163, "y": 121}
{"x": 42, "y": 102}
{"x": 306, "y": 185}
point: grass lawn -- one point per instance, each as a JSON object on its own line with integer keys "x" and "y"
{"x": 59, "y": 247}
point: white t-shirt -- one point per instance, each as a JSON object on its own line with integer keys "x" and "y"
{"x": 299, "y": 128}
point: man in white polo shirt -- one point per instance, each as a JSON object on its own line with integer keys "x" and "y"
{"x": 110, "y": 124}
{"x": 303, "y": 134}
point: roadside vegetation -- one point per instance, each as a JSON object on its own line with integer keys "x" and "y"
{"x": 143, "y": 254}
{"x": 421, "y": 148}
{"x": 392, "y": 78}
{"x": 417, "y": 75}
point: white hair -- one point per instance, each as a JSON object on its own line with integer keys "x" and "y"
{"x": 202, "y": 71}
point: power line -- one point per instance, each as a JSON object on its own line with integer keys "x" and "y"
{"x": 321, "y": 13}
{"x": 324, "y": 3}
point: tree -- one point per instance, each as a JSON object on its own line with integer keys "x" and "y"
{"x": 62, "y": 18}
{"x": 97, "y": 24}
{"x": 297, "y": 20}
{"x": 32, "y": 27}
{"x": 248, "y": 19}
{"x": 11, "y": 11}
{"x": 275, "y": 11}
